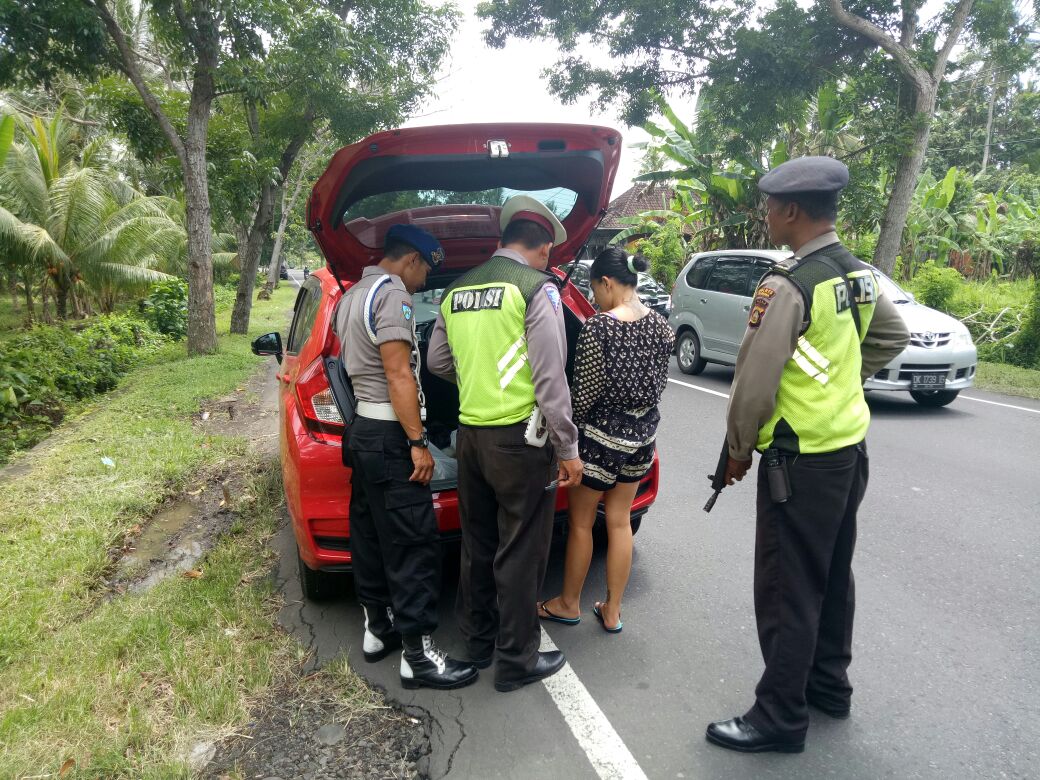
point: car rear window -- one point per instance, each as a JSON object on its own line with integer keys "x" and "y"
{"x": 444, "y": 213}
{"x": 307, "y": 303}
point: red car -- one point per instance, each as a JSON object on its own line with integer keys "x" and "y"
{"x": 451, "y": 181}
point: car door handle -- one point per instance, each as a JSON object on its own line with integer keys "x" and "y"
{"x": 747, "y": 308}
{"x": 704, "y": 300}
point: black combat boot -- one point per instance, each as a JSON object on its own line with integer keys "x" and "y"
{"x": 423, "y": 664}
{"x": 380, "y": 637}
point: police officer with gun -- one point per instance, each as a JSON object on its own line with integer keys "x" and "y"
{"x": 393, "y": 528}
{"x": 819, "y": 326}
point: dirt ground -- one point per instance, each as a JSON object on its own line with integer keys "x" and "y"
{"x": 322, "y": 726}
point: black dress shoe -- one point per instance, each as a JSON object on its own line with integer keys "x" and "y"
{"x": 481, "y": 663}
{"x": 840, "y": 713}
{"x": 546, "y": 665}
{"x": 738, "y": 734}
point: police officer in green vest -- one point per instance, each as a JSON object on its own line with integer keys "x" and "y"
{"x": 500, "y": 335}
{"x": 818, "y": 327}
{"x": 393, "y": 528}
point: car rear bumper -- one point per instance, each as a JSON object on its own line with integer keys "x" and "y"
{"x": 324, "y": 541}
{"x": 447, "y": 537}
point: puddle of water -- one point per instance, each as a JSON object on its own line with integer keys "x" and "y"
{"x": 168, "y": 545}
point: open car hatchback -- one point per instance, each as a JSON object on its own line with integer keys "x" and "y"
{"x": 452, "y": 182}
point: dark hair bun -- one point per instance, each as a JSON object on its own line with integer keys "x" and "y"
{"x": 640, "y": 263}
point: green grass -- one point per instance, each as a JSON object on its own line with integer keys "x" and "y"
{"x": 991, "y": 295}
{"x": 1002, "y": 378}
{"x": 123, "y": 686}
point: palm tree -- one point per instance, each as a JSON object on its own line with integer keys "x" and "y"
{"x": 68, "y": 220}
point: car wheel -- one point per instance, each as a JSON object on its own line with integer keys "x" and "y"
{"x": 688, "y": 353}
{"x": 934, "y": 398}
{"x": 318, "y": 585}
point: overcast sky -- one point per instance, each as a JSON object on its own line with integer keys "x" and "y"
{"x": 480, "y": 84}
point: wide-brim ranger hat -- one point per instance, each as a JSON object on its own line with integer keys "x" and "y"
{"x": 804, "y": 175}
{"x": 428, "y": 247}
{"x": 526, "y": 207}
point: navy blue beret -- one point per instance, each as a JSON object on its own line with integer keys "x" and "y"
{"x": 426, "y": 245}
{"x": 805, "y": 174}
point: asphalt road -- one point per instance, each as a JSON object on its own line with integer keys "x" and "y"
{"x": 946, "y": 668}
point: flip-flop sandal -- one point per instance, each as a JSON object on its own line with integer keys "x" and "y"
{"x": 609, "y": 629}
{"x": 545, "y": 614}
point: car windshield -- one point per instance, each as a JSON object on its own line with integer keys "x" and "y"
{"x": 893, "y": 290}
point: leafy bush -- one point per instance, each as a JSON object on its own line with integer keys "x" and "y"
{"x": 166, "y": 308}
{"x": 935, "y": 286}
{"x": 48, "y": 367}
{"x": 862, "y": 246}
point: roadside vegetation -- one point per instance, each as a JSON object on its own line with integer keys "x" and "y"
{"x": 124, "y": 685}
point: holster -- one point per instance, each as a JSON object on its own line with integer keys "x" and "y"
{"x": 779, "y": 481}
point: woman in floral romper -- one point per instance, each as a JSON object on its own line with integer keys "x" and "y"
{"x": 620, "y": 371}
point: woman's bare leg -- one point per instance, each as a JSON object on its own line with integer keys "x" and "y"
{"x": 618, "y": 503}
{"x": 583, "y": 502}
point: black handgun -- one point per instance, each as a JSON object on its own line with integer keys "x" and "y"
{"x": 718, "y": 479}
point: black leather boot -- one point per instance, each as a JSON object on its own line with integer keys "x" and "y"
{"x": 424, "y": 665}
{"x": 380, "y": 637}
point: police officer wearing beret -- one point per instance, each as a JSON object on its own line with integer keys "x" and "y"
{"x": 501, "y": 337}
{"x": 819, "y": 327}
{"x": 393, "y": 529}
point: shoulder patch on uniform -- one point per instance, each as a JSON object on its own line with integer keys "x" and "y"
{"x": 758, "y": 308}
{"x": 406, "y": 310}
{"x": 554, "y": 296}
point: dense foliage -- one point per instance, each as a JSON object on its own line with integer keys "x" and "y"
{"x": 49, "y": 367}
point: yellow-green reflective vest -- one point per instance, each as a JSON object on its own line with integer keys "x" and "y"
{"x": 820, "y": 405}
{"x": 484, "y": 315}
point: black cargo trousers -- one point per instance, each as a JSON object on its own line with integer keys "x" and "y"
{"x": 805, "y": 596}
{"x": 393, "y": 532}
{"x": 507, "y": 519}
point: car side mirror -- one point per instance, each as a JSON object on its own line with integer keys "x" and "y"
{"x": 268, "y": 344}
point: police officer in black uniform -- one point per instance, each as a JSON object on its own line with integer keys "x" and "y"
{"x": 393, "y": 528}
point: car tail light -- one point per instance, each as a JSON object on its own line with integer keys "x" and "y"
{"x": 317, "y": 405}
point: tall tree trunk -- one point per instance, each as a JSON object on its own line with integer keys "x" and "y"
{"x": 279, "y": 239}
{"x": 907, "y": 171}
{"x": 261, "y": 226}
{"x": 201, "y": 28}
{"x": 989, "y": 118}
{"x": 276, "y": 257}
{"x": 61, "y": 298}
{"x": 250, "y": 258}
{"x": 27, "y": 285}
{"x": 202, "y": 324}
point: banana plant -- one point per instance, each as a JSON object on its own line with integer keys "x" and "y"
{"x": 717, "y": 198}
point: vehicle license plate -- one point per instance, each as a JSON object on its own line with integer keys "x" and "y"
{"x": 934, "y": 380}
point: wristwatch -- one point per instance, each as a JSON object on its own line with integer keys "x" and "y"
{"x": 423, "y": 441}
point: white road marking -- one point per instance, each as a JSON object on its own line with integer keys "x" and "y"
{"x": 965, "y": 397}
{"x": 997, "y": 403}
{"x": 292, "y": 278}
{"x": 601, "y": 743}
{"x": 698, "y": 387}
